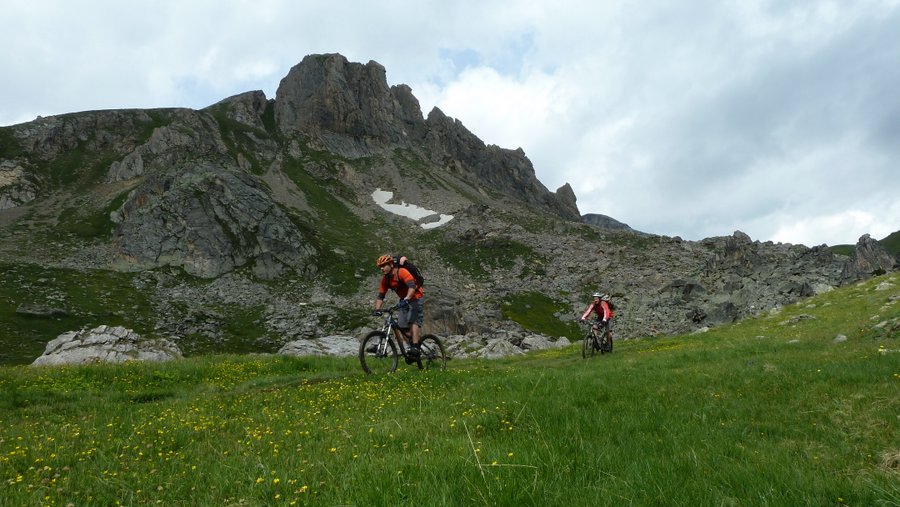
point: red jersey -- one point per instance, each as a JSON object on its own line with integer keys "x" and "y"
{"x": 401, "y": 283}
{"x": 602, "y": 310}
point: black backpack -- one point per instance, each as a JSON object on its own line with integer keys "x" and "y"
{"x": 409, "y": 266}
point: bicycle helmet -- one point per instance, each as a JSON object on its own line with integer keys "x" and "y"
{"x": 384, "y": 259}
{"x": 597, "y": 295}
{"x": 604, "y": 297}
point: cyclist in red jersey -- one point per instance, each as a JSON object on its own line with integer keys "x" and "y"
{"x": 600, "y": 307}
{"x": 410, "y": 315}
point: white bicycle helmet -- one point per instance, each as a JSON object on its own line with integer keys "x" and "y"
{"x": 604, "y": 297}
{"x": 597, "y": 295}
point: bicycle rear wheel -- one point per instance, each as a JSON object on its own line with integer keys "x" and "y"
{"x": 433, "y": 355}
{"x": 377, "y": 354}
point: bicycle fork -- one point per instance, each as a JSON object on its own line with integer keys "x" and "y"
{"x": 381, "y": 350}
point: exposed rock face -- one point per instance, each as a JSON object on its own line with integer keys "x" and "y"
{"x": 190, "y": 136}
{"x": 869, "y": 259}
{"x": 350, "y": 108}
{"x": 105, "y": 344}
{"x": 605, "y": 222}
{"x": 453, "y": 146}
{"x": 326, "y": 93}
{"x": 17, "y": 187}
{"x": 247, "y": 108}
{"x": 209, "y": 220}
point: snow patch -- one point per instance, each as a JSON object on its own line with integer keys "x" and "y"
{"x": 416, "y": 213}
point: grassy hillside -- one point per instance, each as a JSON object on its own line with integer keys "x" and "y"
{"x": 891, "y": 243}
{"x": 771, "y": 411}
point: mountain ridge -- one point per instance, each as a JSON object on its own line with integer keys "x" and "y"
{"x": 252, "y": 221}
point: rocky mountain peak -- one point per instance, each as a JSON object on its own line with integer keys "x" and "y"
{"x": 350, "y": 109}
{"x": 328, "y": 94}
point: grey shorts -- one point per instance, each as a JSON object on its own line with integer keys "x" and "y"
{"x": 411, "y": 314}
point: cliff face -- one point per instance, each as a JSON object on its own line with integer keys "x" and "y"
{"x": 351, "y": 109}
{"x": 257, "y": 217}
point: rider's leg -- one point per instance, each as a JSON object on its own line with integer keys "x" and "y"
{"x": 416, "y": 318}
{"x": 416, "y": 333}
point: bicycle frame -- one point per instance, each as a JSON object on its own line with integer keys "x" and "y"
{"x": 389, "y": 327}
{"x": 380, "y": 349}
{"x": 596, "y": 339}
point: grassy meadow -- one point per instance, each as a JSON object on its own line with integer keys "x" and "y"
{"x": 770, "y": 411}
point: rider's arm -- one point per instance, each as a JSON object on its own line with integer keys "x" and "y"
{"x": 382, "y": 290}
{"x": 604, "y": 308}
{"x": 587, "y": 312}
{"x": 407, "y": 279}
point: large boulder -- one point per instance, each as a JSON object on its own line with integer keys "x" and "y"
{"x": 105, "y": 344}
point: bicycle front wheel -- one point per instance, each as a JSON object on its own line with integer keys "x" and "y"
{"x": 433, "y": 354}
{"x": 377, "y": 354}
{"x": 587, "y": 346}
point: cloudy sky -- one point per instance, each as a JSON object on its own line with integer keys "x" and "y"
{"x": 690, "y": 118}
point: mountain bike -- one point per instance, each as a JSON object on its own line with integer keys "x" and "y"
{"x": 598, "y": 339}
{"x": 380, "y": 350}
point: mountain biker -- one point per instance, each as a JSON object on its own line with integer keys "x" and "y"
{"x": 410, "y": 314}
{"x": 600, "y": 306}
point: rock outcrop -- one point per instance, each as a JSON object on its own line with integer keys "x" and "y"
{"x": 869, "y": 259}
{"x": 209, "y": 220}
{"x": 105, "y": 344}
{"x": 605, "y": 222}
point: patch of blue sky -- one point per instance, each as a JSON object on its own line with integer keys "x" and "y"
{"x": 510, "y": 59}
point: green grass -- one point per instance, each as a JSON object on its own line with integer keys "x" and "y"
{"x": 335, "y": 227}
{"x": 9, "y": 145}
{"x": 478, "y": 258}
{"x": 847, "y": 250}
{"x": 891, "y": 243}
{"x": 243, "y": 332}
{"x": 770, "y": 411}
{"x": 535, "y": 311}
{"x": 87, "y": 223}
{"x": 88, "y": 299}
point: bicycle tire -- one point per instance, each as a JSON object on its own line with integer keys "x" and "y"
{"x": 588, "y": 347}
{"x": 433, "y": 355}
{"x": 373, "y": 362}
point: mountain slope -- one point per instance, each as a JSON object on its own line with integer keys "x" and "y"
{"x": 254, "y": 221}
